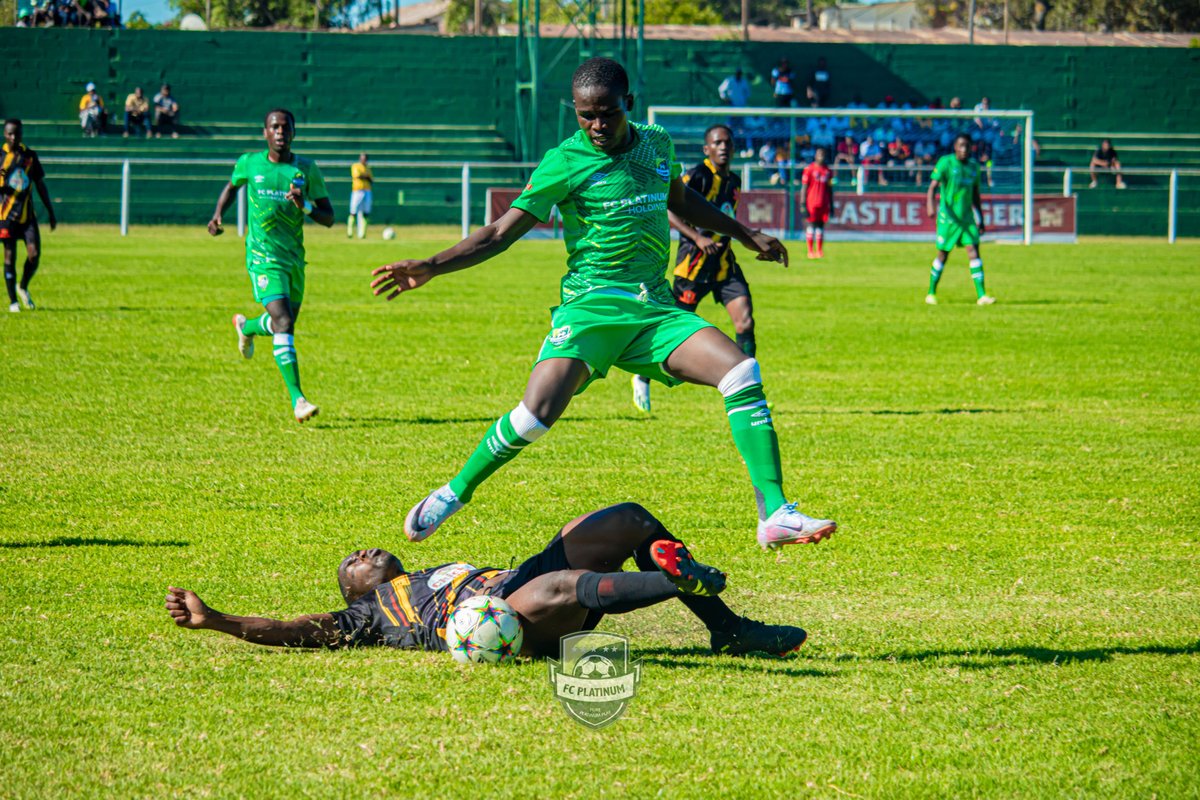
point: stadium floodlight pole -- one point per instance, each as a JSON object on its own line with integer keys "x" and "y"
{"x": 971, "y": 23}
{"x": 125, "y": 197}
{"x": 1172, "y": 204}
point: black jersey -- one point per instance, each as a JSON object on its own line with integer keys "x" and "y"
{"x": 723, "y": 192}
{"x": 410, "y": 612}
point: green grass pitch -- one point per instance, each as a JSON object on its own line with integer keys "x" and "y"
{"x": 1010, "y": 609}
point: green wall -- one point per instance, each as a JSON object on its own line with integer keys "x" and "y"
{"x": 230, "y": 76}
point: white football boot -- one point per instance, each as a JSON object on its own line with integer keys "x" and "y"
{"x": 641, "y": 394}
{"x": 304, "y": 410}
{"x": 427, "y": 515}
{"x": 245, "y": 343}
{"x": 789, "y": 526}
{"x": 25, "y": 298}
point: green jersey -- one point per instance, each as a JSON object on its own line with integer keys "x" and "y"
{"x": 276, "y": 233}
{"x": 614, "y": 211}
{"x": 958, "y": 183}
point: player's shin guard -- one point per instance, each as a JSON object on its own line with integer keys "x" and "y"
{"x": 258, "y": 326}
{"x": 502, "y": 443}
{"x": 289, "y": 367}
{"x": 976, "y": 265}
{"x": 621, "y": 592}
{"x": 935, "y": 275}
{"x": 754, "y": 433}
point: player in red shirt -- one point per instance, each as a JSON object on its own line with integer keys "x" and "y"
{"x": 817, "y": 185}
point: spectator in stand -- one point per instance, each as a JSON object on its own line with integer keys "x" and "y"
{"x": 92, "y": 116}
{"x": 1016, "y": 141}
{"x": 166, "y": 112}
{"x": 982, "y": 120}
{"x": 899, "y": 154}
{"x": 870, "y": 155}
{"x": 822, "y": 83}
{"x": 1105, "y": 158}
{"x": 734, "y": 92}
{"x": 781, "y": 84}
{"x": 847, "y": 152}
{"x": 924, "y": 155}
{"x": 983, "y": 154}
{"x": 137, "y": 113}
{"x": 955, "y": 104}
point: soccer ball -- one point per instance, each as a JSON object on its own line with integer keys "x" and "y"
{"x": 389, "y": 233}
{"x": 594, "y": 666}
{"x": 484, "y": 630}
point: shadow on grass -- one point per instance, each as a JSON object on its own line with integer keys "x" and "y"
{"x": 1087, "y": 302}
{"x": 338, "y": 423}
{"x": 759, "y": 663}
{"x": 77, "y": 541}
{"x": 1009, "y": 656}
{"x": 915, "y": 412}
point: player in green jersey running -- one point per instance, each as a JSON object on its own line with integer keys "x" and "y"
{"x": 958, "y": 178}
{"x": 613, "y": 182}
{"x": 283, "y": 188}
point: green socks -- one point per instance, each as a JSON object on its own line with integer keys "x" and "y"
{"x": 285, "y": 359}
{"x": 935, "y": 275}
{"x": 507, "y": 437}
{"x": 754, "y": 434}
{"x": 976, "y": 265}
{"x": 258, "y": 326}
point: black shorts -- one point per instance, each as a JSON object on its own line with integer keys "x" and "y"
{"x": 688, "y": 293}
{"x": 552, "y": 559}
{"x": 18, "y": 231}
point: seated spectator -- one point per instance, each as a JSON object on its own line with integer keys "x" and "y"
{"x": 1105, "y": 158}
{"x": 1016, "y": 141}
{"x": 847, "y": 152}
{"x": 983, "y": 154}
{"x": 924, "y": 156}
{"x": 869, "y": 154}
{"x": 983, "y": 121}
{"x": 899, "y": 154}
{"x": 92, "y": 116}
{"x": 137, "y": 113}
{"x": 166, "y": 112}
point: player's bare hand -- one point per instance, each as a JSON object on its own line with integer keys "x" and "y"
{"x": 187, "y": 609}
{"x": 53, "y": 222}
{"x": 214, "y": 227}
{"x": 768, "y": 247}
{"x": 982, "y": 228}
{"x": 295, "y": 195}
{"x": 402, "y": 276}
{"x": 707, "y": 245}
{"x": 929, "y": 212}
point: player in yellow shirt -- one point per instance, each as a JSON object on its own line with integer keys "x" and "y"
{"x": 361, "y": 180}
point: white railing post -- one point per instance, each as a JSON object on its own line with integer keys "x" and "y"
{"x": 1029, "y": 179}
{"x": 1172, "y": 205}
{"x": 241, "y": 212}
{"x": 125, "y": 197}
{"x": 466, "y": 200}
{"x": 1067, "y": 182}
{"x": 746, "y": 177}
{"x": 861, "y": 181}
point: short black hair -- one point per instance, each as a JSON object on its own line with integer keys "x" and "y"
{"x": 291, "y": 117}
{"x": 963, "y": 135}
{"x": 718, "y": 126}
{"x": 603, "y": 73}
{"x": 14, "y": 121}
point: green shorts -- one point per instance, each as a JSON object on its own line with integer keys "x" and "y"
{"x": 612, "y": 328}
{"x": 950, "y": 234}
{"x": 272, "y": 281}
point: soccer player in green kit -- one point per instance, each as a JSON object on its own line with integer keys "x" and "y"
{"x": 958, "y": 178}
{"x": 283, "y": 188}
{"x": 613, "y": 182}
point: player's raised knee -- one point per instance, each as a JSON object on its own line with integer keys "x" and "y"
{"x": 742, "y": 376}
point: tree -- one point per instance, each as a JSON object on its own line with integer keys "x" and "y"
{"x": 1069, "y": 15}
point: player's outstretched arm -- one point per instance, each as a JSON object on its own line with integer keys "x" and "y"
{"x": 189, "y": 611}
{"x": 930, "y": 207}
{"x": 685, "y": 202}
{"x": 702, "y": 242}
{"x": 489, "y": 241}
{"x": 223, "y": 204}
{"x": 977, "y": 201}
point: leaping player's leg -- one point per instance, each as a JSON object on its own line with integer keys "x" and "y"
{"x": 708, "y": 357}
{"x": 10, "y": 273}
{"x": 551, "y": 385}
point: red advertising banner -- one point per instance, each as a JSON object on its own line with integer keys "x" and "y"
{"x": 500, "y": 200}
{"x": 878, "y": 215}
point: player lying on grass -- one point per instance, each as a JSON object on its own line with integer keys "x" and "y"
{"x": 614, "y": 182}
{"x": 956, "y": 179}
{"x": 568, "y": 587}
{"x": 283, "y": 188}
